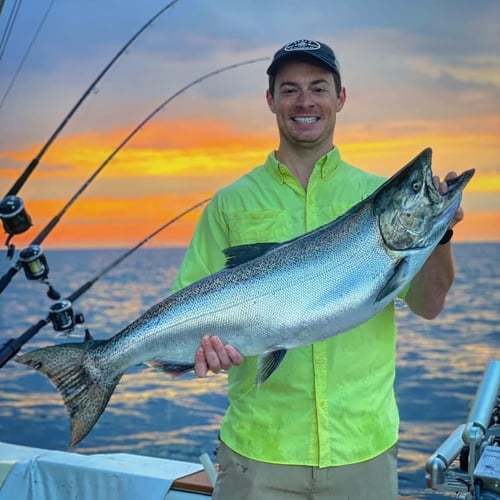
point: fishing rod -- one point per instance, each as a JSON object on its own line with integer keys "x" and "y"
{"x": 31, "y": 258}
{"x": 26, "y": 54}
{"x": 61, "y": 314}
{"x": 9, "y": 26}
{"x": 13, "y": 214}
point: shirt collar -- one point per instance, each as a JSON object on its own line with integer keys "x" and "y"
{"x": 327, "y": 164}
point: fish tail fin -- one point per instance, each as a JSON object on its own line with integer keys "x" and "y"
{"x": 85, "y": 388}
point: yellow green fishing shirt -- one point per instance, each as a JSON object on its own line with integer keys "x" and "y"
{"x": 330, "y": 403}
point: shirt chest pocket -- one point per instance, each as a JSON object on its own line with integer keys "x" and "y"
{"x": 260, "y": 226}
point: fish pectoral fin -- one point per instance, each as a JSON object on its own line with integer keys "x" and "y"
{"x": 171, "y": 367}
{"x": 267, "y": 364}
{"x": 397, "y": 279}
{"x": 240, "y": 254}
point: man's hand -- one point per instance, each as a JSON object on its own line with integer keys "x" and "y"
{"x": 442, "y": 186}
{"x": 213, "y": 355}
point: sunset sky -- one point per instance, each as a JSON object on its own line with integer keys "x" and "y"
{"x": 417, "y": 74}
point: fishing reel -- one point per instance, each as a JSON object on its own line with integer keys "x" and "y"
{"x": 63, "y": 318}
{"x": 36, "y": 267}
{"x": 468, "y": 462}
{"x": 15, "y": 220}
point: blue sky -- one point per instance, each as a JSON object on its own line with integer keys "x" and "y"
{"x": 437, "y": 49}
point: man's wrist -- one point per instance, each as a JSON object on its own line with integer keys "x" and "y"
{"x": 446, "y": 237}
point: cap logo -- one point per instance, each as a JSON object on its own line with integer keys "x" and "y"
{"x": 302, "y": 45}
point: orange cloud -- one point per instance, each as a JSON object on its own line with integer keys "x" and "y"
{"x": 115, "y": 222}
{"x": 478, "y": 226}
{"x": 172, "y": 165}
{"x": 456, "y": 146}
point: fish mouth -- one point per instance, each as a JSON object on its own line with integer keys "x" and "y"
{"x": 458, "y": 183}
{"x": 455, "y": 186}
{"x": 446, "y": 203}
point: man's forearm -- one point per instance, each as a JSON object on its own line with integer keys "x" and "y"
{"x": 427, "y": 294}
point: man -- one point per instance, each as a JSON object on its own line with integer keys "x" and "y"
{"x": 325, "y": 424}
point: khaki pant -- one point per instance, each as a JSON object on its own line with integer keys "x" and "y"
{"x": 243, "y": 479}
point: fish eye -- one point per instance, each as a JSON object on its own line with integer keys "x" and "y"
{"x": 416, "y": 186}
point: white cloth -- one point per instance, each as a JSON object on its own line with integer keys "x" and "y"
{"x": 47, "y": 475}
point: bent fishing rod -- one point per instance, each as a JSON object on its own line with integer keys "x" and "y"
{"x": 31, "y": 258}
{"x": 13, "y": 214}
{"x": 61, "y": 313}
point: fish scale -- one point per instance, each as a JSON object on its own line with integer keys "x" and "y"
{"x": 270, "y": 297}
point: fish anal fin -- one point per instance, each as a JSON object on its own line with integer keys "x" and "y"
{"x": 268, "y": 363}
{"x": 240, "y": 254}
{"x": 170, "y": 367}
{"x": 397, "y": 279}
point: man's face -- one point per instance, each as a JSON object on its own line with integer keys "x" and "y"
{"x": 305, "y": 104}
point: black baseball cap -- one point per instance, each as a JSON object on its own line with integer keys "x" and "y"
{"x": 308, "y": 48}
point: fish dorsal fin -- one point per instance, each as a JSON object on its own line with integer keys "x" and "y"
{"x": 88, "y": 335}
{"x": 267, "y": 363}
{"x": 397, "y": 279}
{"x": 240, "y": 254}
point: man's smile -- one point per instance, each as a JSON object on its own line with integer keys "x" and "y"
{"x": 305, "y": 119}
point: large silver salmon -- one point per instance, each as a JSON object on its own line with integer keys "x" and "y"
{"x": 328, "y": 281}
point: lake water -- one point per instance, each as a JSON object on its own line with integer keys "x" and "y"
{"x": 440, "y": 362}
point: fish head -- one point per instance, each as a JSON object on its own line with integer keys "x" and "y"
{"x": 411, "y": 212}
